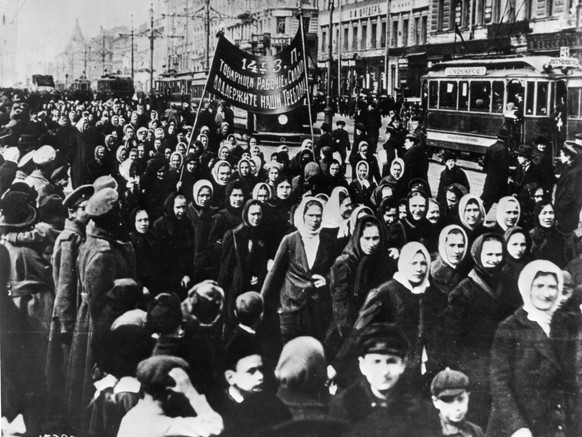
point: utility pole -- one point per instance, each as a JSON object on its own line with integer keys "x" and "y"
{"x": 85, "y": 59}
{"x": 131, "y": 35}
{"x": 328, "y": 110}
{"x": 207, "y": 27}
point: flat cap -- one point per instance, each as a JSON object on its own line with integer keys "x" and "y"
{"x": 449, "y": 383}
{"x": 102, "y": 202}
{"x": 383, "y": 338}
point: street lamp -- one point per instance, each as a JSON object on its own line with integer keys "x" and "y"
{"x": 328, "y": 110}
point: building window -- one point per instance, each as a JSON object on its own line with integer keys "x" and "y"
{"x": 346, "y": 39}
{"x": 383, "y": 35}
{"x": 550, "y": 8}
{"x": 355, "y": 38}
{"x": 441, "y": 15}
{"x": 423, "y": 30}
{"x": 405, "y": 31}
{"x": 416, "y": 31}
{"x": 280, "y": 25}
{"x": 394, "y": 40}
{"x": 392, "y": 77}
{"x": 323, "y": 40}
{"x": 364, "y": 37}
{"x": 374, "y": 36}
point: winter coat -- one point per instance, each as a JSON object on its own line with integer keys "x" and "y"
{"x": 224, "y": 220}
{"x": 201, "y": 219}
{"x": 415, "y": 165}
{"x": 147, "y": 260}
{"x": 102, "y": 259}
{"x": 568, "y": 201}
{"x": 528, "y": 382}
{"x": 548, "y": 244}
{"x": 496, "y": 166}
{"x": 449, "y": 177}
{"x": 81, "y": 149}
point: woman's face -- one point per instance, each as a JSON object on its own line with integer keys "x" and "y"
{"x": 362, "y": 171}
{"x": 123, "y": 155}
{"x": 252, "y": 142}
{"x": 175, "y": 161}
{"x": 284, "y": 190}
{"x": 204, "y": 140}
{"x": 161, "y": 173}
{"x": 417, "y": 206}
{"x": 396, "y": 170}
{"x": 256, "y": 151}
{"x": 224, "y": 153}
{"x": 133, "y": 155}
{"x": 167, "y": 153}
{"x": 262, "y": 195}
{"x": 491, "y": 254}
{"x": 223, "y": 174}
{"x": 255, "y": 215}
{"x": 547, "y": 216}
{"x": 346, "y": 208}
{"x": 472, "y": 213}
{"x": 454, "y": 248}
{"x": 401, "y": 212}
{"x": 433, "y": 213}
{"x": 142, "y": 222}
{"x": 180, "y": 149}
{"x": 418, "y": 268}
{"x": 544, "y": 292}
{"x": 452, "y": 200}
{"x": 517, "y": 245}
{"x": 273, "y": 174}
{"x": 244, "y": 168}
{"x": 203, "y": 197}
{"x": 370, "y": 240}
{"x": 312, "y": 218}
{"x": 510, "y": 214}
{"x": 236, "y": 198}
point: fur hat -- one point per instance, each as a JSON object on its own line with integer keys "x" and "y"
{"x": 17, "y": 211}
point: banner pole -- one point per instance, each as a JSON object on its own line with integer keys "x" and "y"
{"x": 305, "y": 61}
{"x": 196, "y": 118}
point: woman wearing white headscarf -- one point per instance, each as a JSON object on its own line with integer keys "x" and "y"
{"x": 200, "y": 212}
{"x": 298, "y": 282}
{"x": 508, "y": 214}
{"x": 401, "y": 301}
{"x": 472, "y": 216}
{"x": 529, "y": 383}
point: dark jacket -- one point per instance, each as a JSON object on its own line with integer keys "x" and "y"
{"x": 528, "y": 382}
{"x": 415, "y": 165}
{"x": 568, "y": 201}
{"x": 201, "y": 220}
{"x": 496, "y": 165}
{"x": 449, "y": 177}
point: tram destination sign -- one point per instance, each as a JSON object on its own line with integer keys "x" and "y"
{"x": 260, "y": 84}
{"x": 465, "y": 71}
{"x": 564, "y": 62}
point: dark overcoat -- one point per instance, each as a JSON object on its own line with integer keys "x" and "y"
{"x": 568, "y": 200}
{"x": 496, "y": 165}
{"x": 527, "y": 381}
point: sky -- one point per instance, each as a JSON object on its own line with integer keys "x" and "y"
{"x": 45, "y": 26}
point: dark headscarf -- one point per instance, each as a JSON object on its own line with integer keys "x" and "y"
{"x": 489, "y": 275}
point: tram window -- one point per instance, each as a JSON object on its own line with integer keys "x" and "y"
{"x": 480, "y": 96}
{"x": 542, "y": 100}
{"x": 464, "y": 95}
{"x": 529, "y": 103}
{"x": 574, "y": 102}
{"x": 448, "y": 95}
{"x": 498, "y": 92}
{"x": 433, "y": 96}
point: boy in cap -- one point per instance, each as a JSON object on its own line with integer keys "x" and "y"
{"x": 342, "y": 139}
{"x": 247, "y": 405}
{"x": 161, "y": 378}
{"x": 450, "y": 395}
{"x": 451, "y": 174}
{"x": 380, "y": 403}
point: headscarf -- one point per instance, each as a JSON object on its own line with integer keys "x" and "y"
{"x": 361, "y": 144}
{"x": 258, "y": 165}
{"x": 260, "y": 186}
{"x": 463, "y": 204}
{"x": 299, "y": 220}
{"x": 221, "y": 148}
{"x": 409, "y": 250}
{"x": 307, "y": 144}
{"x": 245, "y": 212}
{"x": 159, "y": 133}
{"x": 120, "y": 149}
{"x": 365, "y": 164}
{"x": 97, "y": 150}
{"x": 346, "y": 231}
{"x": 443, "y": 240}
{"x": 397, "y": 161}
{"x": 107, "y": 137}
{"x": 526, "y": 278}
{"x": 198, "y": 185}
{"x": 517, "y": 230}
{"x": 81, "y": 125}
{"x": 217, "y": 165}
{"x": 331, "y": 213}
{"x": 488, "y": 275}
{"x": 353, "y": 245}
{"x": 181, "y": 159}
{"x": 503, "y": 203}
{"x": 244, "y": 160}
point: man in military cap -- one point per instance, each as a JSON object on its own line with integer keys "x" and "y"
{"x": 382, "y": 358}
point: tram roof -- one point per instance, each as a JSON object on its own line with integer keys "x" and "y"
{"x": 499, "y": 66}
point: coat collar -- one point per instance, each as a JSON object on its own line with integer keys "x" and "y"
{"x": 538, "y": 338}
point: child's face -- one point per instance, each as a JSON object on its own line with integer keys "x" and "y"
{"x": 248, "y": 377}
{"x": 453, "y": 411}
{"x": 450, "y": 163}
{"x": 382, "y": 371}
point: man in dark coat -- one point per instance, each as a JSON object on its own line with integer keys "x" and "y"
{"x": 568, "y": 201}
{"x": 342, "y": 139}
{"x": 324, "y": 140}
{"x": 527, "y": 172}
{"x": 415, "y": 160}
{"x": 81, "y": 151}
{"x": 496, "y": 165}
{"x": 373, "y": 123}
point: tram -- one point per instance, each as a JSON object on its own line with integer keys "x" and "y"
{"x": 468, "y": 101}
{"x": 178, "y": 88}
{"x": 114, "y": 86}
{"x": 80, "y": 89}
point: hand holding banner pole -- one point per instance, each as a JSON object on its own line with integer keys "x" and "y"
{"x": 300, "y": 15}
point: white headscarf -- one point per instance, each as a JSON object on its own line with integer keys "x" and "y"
{"x": 299, "y": 220}
{"x": 331, "y": 213}
{"x": 198, "y": 185}
{"x": 397, "y": 161}
{"x": 443, "y": 241}
{"x": 503, "y": 202}
{"x": 524, "y": 283}
{"x": 409, "y": 250}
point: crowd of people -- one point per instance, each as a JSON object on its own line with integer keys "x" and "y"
{"x": 161, "y": 276}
